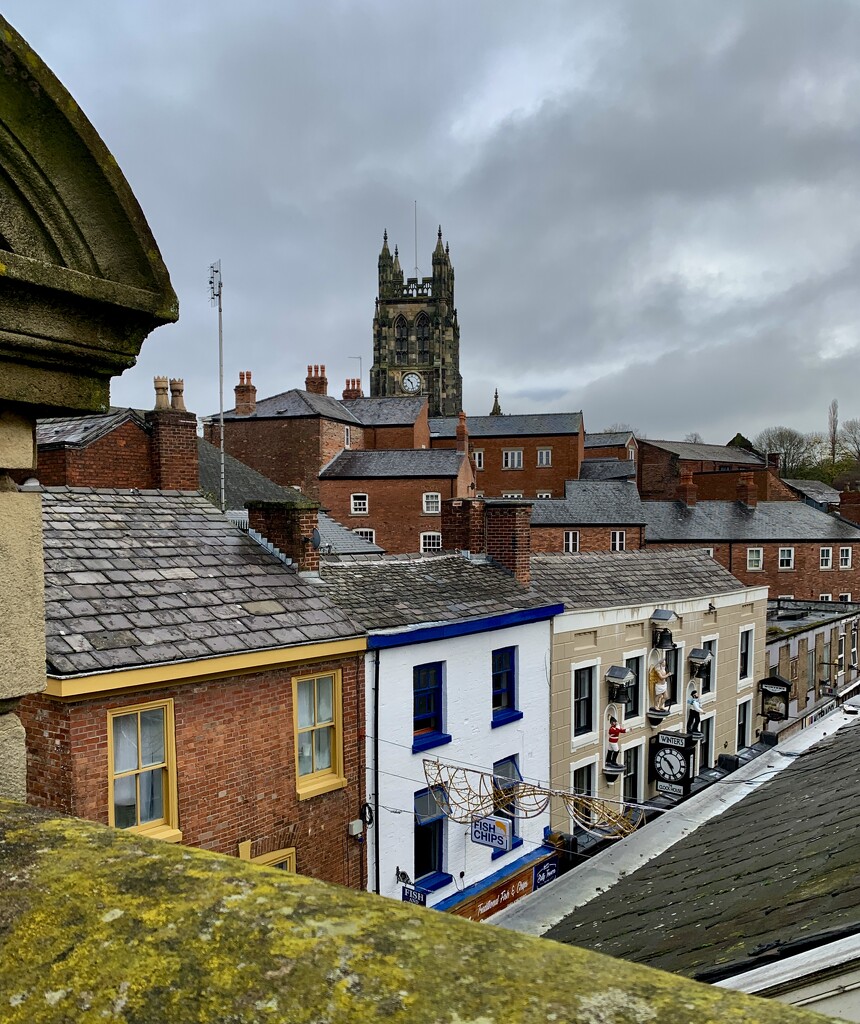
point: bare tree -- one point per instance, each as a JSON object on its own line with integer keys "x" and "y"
{"x": 798, "y": 452}
{"x": 694, "y": 437}
{"x": 622, "y": 428}
{"x": 833, "y": 430}
{"x": 849, "y": 439}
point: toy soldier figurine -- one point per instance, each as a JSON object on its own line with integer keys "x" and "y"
{"x": 694, "y": 712}
{"x": 657, "y": 678}
{"x": 615, "y": 731}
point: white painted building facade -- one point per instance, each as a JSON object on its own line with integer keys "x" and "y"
{"x": 430, "y": 696}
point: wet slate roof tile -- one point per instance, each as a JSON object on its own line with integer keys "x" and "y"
{"x": 156, "y": 573}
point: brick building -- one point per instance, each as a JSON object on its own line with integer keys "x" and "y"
{"x": 715, "y": 470}
{"x": 394, "y": 498}
{"x": 619, "y": 444}
{"x": 592, "y": 516}
{"x": 794, "y": 549}
{"x": 528, "y": 456}
{"x": 288, "y": 437}
{"x": 391, "y": 422}
{"x": 199, "y": 690}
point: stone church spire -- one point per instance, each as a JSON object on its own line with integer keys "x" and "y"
{"x": 497, "y": 409}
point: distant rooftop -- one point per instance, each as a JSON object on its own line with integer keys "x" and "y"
{"x": 80, "y": 431}
{"x": 817, "y": 490}
{"x": 610, "y": 439}
{"x": 591, "y": 502}
{"x": 385, "y": 412}
{"x": 523, "y": 425}
{"x": 607, "y": 469}
{"x": 710, "y": 521}
{"x": 615, "y": 579}
{"x": 707, "y": 452}
{"x": 405, "y": 462}
{"x": 295, "y": 404}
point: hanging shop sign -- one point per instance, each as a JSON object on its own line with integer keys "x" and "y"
{"x": 775, "y": 695}
{"x": 494, "y": 832}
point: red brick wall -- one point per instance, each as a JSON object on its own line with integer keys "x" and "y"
{"x": 717, "y": 486}
{"x": 235, "y": 764}
{"x": 547, "y": 539}
{"x": 658, "y": 473}
{"x": 395, "y": 508}
{"x": 173, "y": 449}
{"x": 805, "y": 582}
{"x": 390, "y": 438}
{"x": 119, "y": 459}
{"x": 617, "y": 451}
{"x": 492, "y": 480}
{"x": 290, "y": 451}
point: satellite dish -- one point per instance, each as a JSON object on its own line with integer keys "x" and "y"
{"x": 316, "y": 539}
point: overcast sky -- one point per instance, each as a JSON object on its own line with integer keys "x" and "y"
{"x": 652, "y": 208}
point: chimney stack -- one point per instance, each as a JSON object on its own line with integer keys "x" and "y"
{"x": 463, "y": 525}
{"x": 462, "y": 434}
{"x": 774, "y": 460}
{"x": 747, "y": 490}
{"x": 352, "y": 389}
{"x": 173, "y": 439}
{"x": 246, "y": 395}
{"x": 316, "y": 381}
{"x": 849, "y": 504}
{"x": 687, "y": 490}
{"x": 289, "y": 525}
{"x": 508, "y": 536}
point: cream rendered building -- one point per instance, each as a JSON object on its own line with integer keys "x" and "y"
{"x": 610, "y": 601}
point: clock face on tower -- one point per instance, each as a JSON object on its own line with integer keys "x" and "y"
{"x": 670, "y": 764}
{"x": 411, "y": 383}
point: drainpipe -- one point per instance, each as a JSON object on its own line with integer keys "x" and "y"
{"x": 376, "y": 769}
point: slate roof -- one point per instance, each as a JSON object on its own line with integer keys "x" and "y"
{"x": 607, "y": 469}
{"x": 591, "y": 503}
{"x": 340, "y": 541}
{"x": 153, "y": 577}
{"x": 614, "y": 579}
{"x": 521, "y": 425}
{"x": 385, "y": 412}
{"x": 406, "y": 462}
{"x": 80, "y": 431}
{"x": 816, "y": 490}
{"x": 711, "y": 521}
{"x": 778, "y": 867}
{"x": 608, "y": 439}
{"x": 416, "y": 589}
{"x": 708, "y": 452}
{"x": 295, "y": 404}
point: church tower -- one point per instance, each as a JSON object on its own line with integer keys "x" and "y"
{"x": 416, "y": 337}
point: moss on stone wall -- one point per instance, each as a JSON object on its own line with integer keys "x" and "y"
{"x": 100, "y": 925}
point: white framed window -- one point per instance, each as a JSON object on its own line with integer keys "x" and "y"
{"x": 431, "y": 542}
{"x": 512, "y": 494}
{"x": 786, "y": 558}
{"x": 358, "y": 504}
{"x": 845, "y": 558}
{"x": 368, "y": 535}
{"x": 631, "y": 454}
{"x": 347, "y": 437}
{"x": 840, "y": 656}
{"x": 709, "y": 552}
{"x": 617, "y": 540}
{"x": 544, "y": 494}
{"x": 583, "y": 775}
{"x": 634, "y": 760}
{"x": 584, "y": 701}
{"x": 845, "y": 598}
{"x": 512, "y": 458}
{"x": 744, "y": 717}
{"x": 478, "y": 456}
{"x": 571, "y": 541}
{"x": 432, "y": 503}
{"x": 479, "y": 494}
{"x": 755, "y": 559}
{"x": 825, "y": 597}
{"x": 544, "y": 456}
{"x": 825, "y": 558}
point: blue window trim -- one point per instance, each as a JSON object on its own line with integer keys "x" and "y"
{"x": 428, "y": 740}
{"x": 434, "y": 881}
{"x": 427, "y": 682}
{"x": 504, "y": 687}
{"x": 505, "y": 716}
{"x": 515, "y": 842}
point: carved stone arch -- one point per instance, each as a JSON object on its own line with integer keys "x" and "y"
{"x": 81, "y": 279}
{"x": 422, "y": 337}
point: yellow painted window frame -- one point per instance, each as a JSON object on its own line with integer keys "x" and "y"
{"x": 285, "y": 856}
{"x": 328, "y": 779}
{"x": 167, "y": 830}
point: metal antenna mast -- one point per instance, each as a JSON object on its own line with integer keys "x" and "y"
{"x": 215, "y": 288}
{"x": 416, "y": 240}
{"x": 360, "y": 370}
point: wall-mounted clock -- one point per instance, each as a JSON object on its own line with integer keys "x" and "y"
{"x": 670, "y": 764}
{"x": 411, "y": 383}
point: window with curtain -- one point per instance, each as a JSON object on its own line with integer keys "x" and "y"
{"x": 142, "y": 767}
